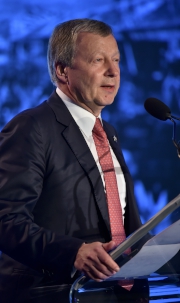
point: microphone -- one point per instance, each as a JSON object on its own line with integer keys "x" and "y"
{"x": 161, "y": 111}
{"x": 157, "y": 109}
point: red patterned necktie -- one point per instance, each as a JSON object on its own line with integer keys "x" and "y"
{"x": 112, "y": 194}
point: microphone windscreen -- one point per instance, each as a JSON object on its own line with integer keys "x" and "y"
{"x": 157, "y": 109}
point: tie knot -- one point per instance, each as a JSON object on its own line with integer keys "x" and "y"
{"x": 98, "y": 129}
{"x": 99, "y": 134}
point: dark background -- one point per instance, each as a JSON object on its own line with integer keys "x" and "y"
{"x": 148, "y": 34}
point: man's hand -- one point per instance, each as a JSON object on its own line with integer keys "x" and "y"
{"x": 94, "y": 261}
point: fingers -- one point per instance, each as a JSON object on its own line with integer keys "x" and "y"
{"x": 95, "y": 262}
{"x": 109, "y": 246}
{"x": 97, "y": 269}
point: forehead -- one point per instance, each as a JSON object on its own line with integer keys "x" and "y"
{"x": 93, "y": 43}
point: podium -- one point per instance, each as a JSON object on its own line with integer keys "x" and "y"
{"x": 155, "y": 288}
{"x": 153, "y": 265}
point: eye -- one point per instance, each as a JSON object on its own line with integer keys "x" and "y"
{"x": 98, "y": 59}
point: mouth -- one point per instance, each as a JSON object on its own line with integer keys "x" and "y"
{"x": 108, "y": 88}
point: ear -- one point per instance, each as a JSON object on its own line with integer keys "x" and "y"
{"x": 61, "y": 73}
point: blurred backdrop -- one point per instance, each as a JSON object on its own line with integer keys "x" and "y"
{"x": 148, "y": 34}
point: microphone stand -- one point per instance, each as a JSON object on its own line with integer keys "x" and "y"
{"x": 176, "y": 144}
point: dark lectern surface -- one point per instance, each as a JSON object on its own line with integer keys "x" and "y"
{"x": 155, "y": 288}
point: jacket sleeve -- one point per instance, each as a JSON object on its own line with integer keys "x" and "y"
{"x": 22, "y": 170}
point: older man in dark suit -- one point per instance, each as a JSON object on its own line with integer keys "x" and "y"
{"x": 55, "y": 208}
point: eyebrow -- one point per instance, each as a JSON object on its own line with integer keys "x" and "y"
{"x": 99, "y": 52}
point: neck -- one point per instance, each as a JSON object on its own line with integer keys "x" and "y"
{"x": 93, "y": 109}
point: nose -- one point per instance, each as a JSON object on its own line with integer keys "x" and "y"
{"x": 112, "y": 69}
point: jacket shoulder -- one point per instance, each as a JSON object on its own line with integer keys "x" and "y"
{"x": 41, "y": 114}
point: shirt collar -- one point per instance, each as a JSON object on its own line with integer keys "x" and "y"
{"x": 84, "y": 119}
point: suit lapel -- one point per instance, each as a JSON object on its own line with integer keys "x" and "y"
{"x": 79, "y": 147}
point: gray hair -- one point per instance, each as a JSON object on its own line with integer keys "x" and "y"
{"x": 61, "y": 47}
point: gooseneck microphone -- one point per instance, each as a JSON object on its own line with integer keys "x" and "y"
{"x": 161, "y": 111}
{"x": 157, "y": 109}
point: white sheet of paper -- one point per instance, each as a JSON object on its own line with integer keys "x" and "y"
{"x": 154, "y": 254}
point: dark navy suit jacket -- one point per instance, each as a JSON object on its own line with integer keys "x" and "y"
{"x": 51, "y": 195}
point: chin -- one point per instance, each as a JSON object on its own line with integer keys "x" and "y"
{"x": 104, "y": 102}
{"x": 108, "y": 102}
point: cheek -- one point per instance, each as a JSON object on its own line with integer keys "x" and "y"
{"x": 85, "y": 84}
{"x": 88, "y": 84}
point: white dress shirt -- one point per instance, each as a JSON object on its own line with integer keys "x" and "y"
{"x": 85, "y": 121}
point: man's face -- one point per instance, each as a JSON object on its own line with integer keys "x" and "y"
{"x": 94, "y": 77}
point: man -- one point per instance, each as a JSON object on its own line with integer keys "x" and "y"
{"x": 54, "y": 217}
